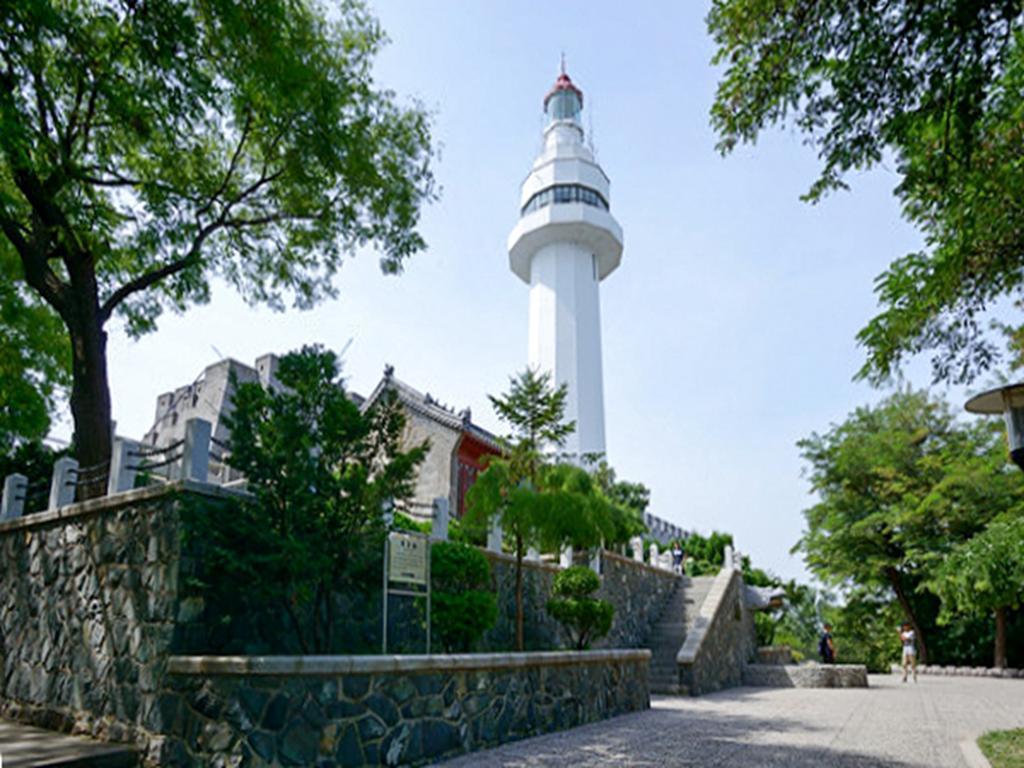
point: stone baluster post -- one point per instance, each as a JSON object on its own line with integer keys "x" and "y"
{"x": 595, "y": 558}
{"x": 727, "y": 559}
{"x": 637, "y": 545}
{"x": 532, "y": 553}
{"x": 565, "y": 556}
{"x": 62, "y": 486}
{"x": 15, "y": 488}
{"x": 195, "y": 457}
{"x": 494, "y": 535}
{"x": 123, "y": 463}
{"x": 439, "y": 528}
{"x": 652, "y": 554}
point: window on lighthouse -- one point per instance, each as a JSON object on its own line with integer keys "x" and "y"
{"x": 564, "y": 105}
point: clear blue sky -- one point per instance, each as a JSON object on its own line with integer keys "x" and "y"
{"x": 729, "y": 328}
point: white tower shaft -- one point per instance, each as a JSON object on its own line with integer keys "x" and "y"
{"x": 563, "y": 246}
{"x": 565, "y": 336}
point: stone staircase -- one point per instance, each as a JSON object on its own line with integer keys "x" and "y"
{"x": 668, "y": 635}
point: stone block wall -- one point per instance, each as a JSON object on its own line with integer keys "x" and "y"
{"x": 89, "y": 607}
{"x": 349, "y": 711}
{"x": 806, "y": 675}
{"x": 637, "y": 591}
{"x": 721, "y": 641}
{"x": 94, "y": 600}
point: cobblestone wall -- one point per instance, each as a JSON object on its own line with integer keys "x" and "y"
{"x": 88, "y": 611}
{"x": 347, "y": 711}
{"x": 638, "y": 593}
{"x": 93, "y": 602}
{"x": 722, "y": 640}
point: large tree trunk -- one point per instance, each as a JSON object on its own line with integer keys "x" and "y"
{"x": 901, "y": 596}
{"x": 1000, "y": 649}
{"x": 519, "y": 593}
{"x": 90, "y": 396}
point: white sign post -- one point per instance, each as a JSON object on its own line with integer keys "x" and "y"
{"x": 407, "y": 564}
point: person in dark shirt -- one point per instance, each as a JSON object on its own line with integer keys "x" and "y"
{"x": 827, "y": 646}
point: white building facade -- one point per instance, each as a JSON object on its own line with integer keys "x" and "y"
{"x": 565, "y": 243}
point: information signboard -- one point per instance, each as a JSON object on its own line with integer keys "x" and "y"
{"x": 406, "y": 564}
{"x": 407, "y": 558}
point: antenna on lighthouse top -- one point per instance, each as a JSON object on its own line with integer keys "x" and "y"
{"x": 563, "y": 62}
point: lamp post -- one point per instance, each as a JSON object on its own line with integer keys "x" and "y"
{"x": 1009, "y": 401}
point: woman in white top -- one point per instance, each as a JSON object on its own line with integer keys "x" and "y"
{"x": 909, "y": 640}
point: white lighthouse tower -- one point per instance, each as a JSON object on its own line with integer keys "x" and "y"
{"x": 565, "y": 243}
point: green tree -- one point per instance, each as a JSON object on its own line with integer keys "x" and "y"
{"x": 705, "y": 555}
{"x": 463, "y": 604}
{"x": 584, "y": 617}
{"x": 985, "y": 575}
{"x": 319, "y": 471}
{"x": 535, "y": 500}
{"x": 33, "y": 361}
{"x": 146, "y": 148}
{"x": 900, "y": 484}
{"x": 629, "y": 502}
{"x": 936, "y": 86}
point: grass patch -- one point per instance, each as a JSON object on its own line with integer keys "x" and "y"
{"x": 1004, "y": 749}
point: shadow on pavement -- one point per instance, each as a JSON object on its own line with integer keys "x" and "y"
{"x": 676, "y": 737}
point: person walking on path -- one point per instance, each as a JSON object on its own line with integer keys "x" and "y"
{"x": 827, "y": 646}
{"x": 909, "y": 642}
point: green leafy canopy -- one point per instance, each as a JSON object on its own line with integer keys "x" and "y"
{"x": 148, "y": 148}
{"x": 937, "y": 87}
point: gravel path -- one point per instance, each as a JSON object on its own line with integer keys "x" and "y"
{"x": 892, "y": 725}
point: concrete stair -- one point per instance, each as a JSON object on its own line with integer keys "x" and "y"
{"x": 668, "y": 635}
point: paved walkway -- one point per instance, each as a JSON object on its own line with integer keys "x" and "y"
{"x": 22, "y": 746}
{"x": 890, "y": 725}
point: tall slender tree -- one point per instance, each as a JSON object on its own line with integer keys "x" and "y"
{"x": 512, "y": 487}
{"x": 149, "y": 147}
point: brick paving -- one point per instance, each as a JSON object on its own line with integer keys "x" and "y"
{"x": 22, "y": 746}
{"x": 889, "y": 725}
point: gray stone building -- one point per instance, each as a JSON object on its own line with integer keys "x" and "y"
{"x": 458, "y": 446}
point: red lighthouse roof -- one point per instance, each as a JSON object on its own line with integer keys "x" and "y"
{"x": 563, "y": 83}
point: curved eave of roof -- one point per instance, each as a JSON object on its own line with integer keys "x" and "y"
{"x": 416, "y": 401}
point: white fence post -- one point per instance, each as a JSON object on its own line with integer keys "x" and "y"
{"x": 439, "y": 529}
{"x": 637, "y": 545}
{"x": 652, "y": 557}
{"x": 62, "y": 486}
{"x": 15, "y": 489}
{"x": 595, "y": 559}
{"x": 122, "y": 466}
{"x": 565, "y": 556}
{"x": 494, "y": 535}
{"x": 195, "y": 457}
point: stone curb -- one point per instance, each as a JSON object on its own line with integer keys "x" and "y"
{"x": 973, "y": 755}
{"x": 1008, "y": 673}
{"x": 368, "y": 665}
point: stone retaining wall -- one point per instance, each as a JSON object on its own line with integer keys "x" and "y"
{"x": 806, "y": 675}
{"x": 93, "y": 600}
{"x": 721, "y": 641}
{"x": 347, "y": 711}
{"x": 636, "y": 590}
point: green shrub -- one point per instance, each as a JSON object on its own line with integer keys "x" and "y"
{"x": 464, "y": 607}
{"x": 584, "y": 618}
